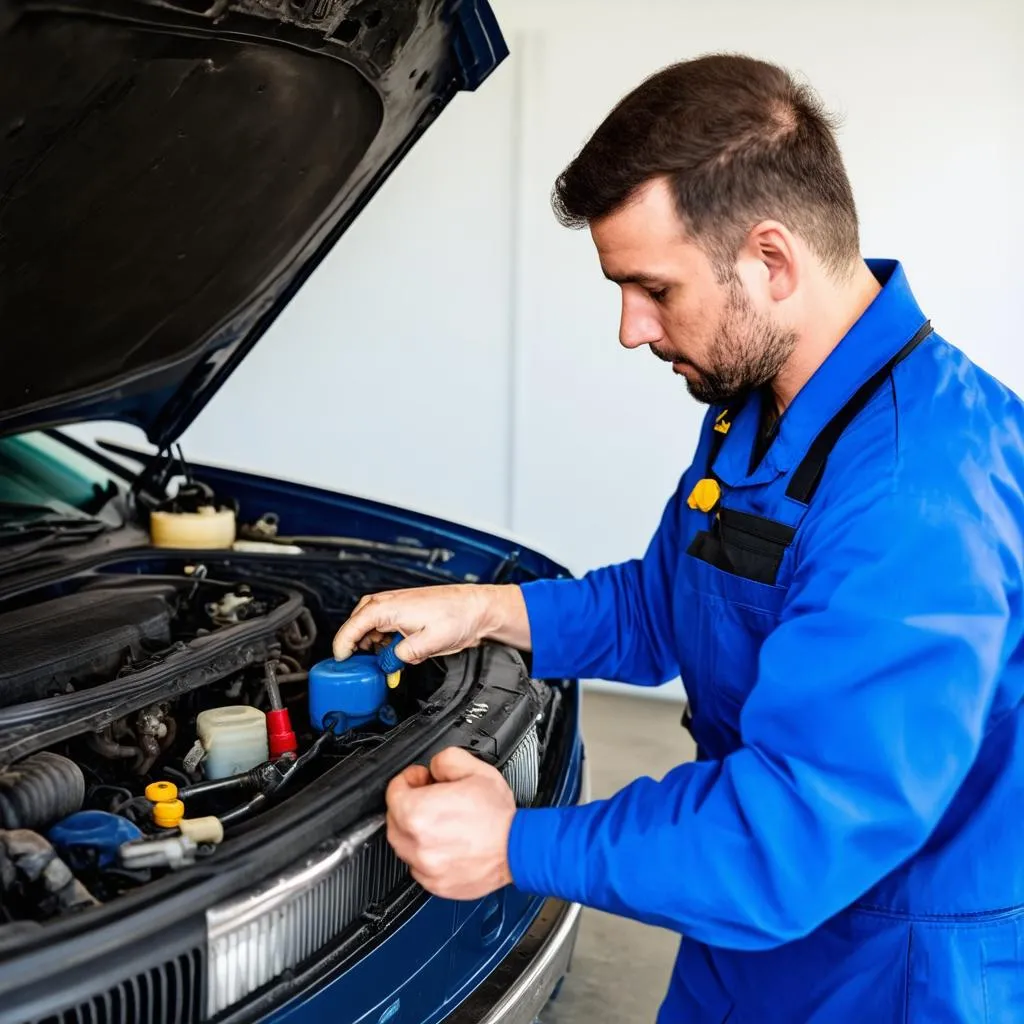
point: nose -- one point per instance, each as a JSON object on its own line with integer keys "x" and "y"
{"x": 639, "y": 324}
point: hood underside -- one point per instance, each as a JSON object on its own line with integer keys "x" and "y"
{"x": 170, "y": 174}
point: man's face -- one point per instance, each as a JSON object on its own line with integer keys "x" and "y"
{"x": 710, "y": 331}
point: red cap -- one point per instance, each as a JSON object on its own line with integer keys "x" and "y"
{"x": 279, "y": 733}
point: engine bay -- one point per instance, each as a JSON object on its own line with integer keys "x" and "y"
{"x": 147, "y": 714}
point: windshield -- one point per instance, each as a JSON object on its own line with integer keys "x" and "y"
{"x": 36, "y": 469}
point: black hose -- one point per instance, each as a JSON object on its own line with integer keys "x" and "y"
{"x": 94, "y": 793}
{"x": 137, "y": 809}
{"x": 270, "y": 683}
{"x": 293, "y": 677}
{"x": 242, "y": 781}
{"x": 182, "y": 780}
{"x": 105, "y": 746}
{"x": 264, "y": 777}
{"x": 246, "y": 810}
{"x": 39, "y": 791}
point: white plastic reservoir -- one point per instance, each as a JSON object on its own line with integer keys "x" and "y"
{"x": 235, "y": 739}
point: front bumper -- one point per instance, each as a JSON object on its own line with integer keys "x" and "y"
{"x": 519, "y": 988}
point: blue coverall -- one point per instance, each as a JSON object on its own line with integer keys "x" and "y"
{"x": 849, "y": 843}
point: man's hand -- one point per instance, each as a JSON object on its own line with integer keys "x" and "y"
{"x": 451, "y": 824}
{"x": 436, "y": 621}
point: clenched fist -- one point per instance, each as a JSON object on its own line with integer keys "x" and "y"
{"x": 450, "y": 823}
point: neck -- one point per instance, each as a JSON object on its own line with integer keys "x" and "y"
{"x": 834, "y": 308}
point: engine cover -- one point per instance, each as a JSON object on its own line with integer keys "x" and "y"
{"x": 73, "y": 641}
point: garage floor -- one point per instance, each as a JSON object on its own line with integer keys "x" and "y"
{"x": 621, "y": 969}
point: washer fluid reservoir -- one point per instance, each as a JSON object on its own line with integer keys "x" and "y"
{"x": 356, "y": 688}
{"x": 234, "y": 738}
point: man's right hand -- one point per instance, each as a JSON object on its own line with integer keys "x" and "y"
{"x": 436, "y": 621}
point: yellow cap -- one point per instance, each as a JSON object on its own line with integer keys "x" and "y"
{"x": 394, "y": 679}
{"x": 157, "y": 791}
{"x": 705, "y": 496}
{"x": 167, "y": 813}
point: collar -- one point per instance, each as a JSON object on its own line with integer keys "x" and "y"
{"x": 881, "y": 331}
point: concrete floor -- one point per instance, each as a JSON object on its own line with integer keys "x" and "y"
{"x": 621, "y": 968}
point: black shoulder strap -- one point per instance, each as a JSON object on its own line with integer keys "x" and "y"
{"x": 807, "y": 475}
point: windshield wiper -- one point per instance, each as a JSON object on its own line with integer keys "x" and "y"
{"x": 20, "y": 539}
{"x": 47, "y": 525}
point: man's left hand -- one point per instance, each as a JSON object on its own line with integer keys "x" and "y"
{"x": 451, "y": 824}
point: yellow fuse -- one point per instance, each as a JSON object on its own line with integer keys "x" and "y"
{"x": 705, "y": 496}
{"x": 394, "y": 679}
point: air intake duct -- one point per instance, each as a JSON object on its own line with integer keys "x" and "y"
{"x": 39, "y": 791}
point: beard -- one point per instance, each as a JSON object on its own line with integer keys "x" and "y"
{"x": 746, "y": 353}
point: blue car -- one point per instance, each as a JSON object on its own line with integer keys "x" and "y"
{"x": 191, "y": 790}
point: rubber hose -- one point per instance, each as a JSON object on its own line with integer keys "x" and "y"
{"x": 150, "y": 751}
{"x": 106, "y": 747}
{"x": 39, "y": 791}
{"x": 172, "y": 731}
{"x": 273, "y": 693}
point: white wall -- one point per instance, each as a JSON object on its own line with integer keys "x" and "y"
{"x": 489, "y": 327}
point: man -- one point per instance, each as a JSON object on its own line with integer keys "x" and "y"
{"x": 838, "y": 580}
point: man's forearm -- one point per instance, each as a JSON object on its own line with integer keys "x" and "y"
{"x": 505, "y": 618}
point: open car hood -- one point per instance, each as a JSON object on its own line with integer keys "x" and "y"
{"x": 171, "y": 171}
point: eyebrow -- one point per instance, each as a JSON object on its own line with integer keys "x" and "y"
{"x": 644, "y": 280}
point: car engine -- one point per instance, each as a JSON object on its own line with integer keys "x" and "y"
{"x": 144, "y": 715}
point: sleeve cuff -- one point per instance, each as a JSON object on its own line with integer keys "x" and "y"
{"x": 542, "y": 611}
{"x": 544, "y": 852}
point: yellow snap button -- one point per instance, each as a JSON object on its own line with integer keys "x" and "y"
{"x": 168, "y": 813}
{"x": 157, "y": 791}
{"x": 705, "y": 496}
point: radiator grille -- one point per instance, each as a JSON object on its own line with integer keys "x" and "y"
{"x": 522, "y": 770}
{"x": 168, "y": 994}
{"x": 256, "y": 939}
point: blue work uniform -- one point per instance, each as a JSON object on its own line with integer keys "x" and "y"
{"x": 849, "y": 843}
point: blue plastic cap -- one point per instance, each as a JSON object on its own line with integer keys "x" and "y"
{"x": 356, "y": 688}
{"x": 389, "y": 661}
{"x": 96, "y": 831}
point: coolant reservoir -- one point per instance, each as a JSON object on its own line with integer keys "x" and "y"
{"x": 208, "y": 527}
{"x": 234, "y": 738}
{"x": 356, "y": 688}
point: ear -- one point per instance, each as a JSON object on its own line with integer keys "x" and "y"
{"x": 773, "y": 252}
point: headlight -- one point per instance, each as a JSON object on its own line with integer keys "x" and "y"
{"x": 257, "y": 937}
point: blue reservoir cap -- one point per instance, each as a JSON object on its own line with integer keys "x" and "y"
{"x": 389, "y": 661}
{"x": 76, "y": 835}
{"x": 356, "y": 688}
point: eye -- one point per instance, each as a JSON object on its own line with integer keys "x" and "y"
{"x": 658, "y": 294}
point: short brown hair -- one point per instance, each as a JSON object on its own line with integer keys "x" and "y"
{"x": 739, "y": 140}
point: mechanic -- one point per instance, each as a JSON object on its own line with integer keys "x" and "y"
{"x": 837, "y": 580}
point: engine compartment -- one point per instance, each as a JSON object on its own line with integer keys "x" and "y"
{"x": 90, "y": 635}
{"x": 166, "y": 690}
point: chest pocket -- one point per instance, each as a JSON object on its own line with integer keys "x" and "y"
{"x": 744, "y": 545}
{"x": 728, "y": 615}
